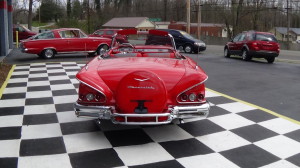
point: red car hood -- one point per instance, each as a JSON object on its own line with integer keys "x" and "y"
{"x": 170, "y": 71}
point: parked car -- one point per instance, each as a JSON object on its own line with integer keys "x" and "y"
{"x": 186, "y": 42}
{"x": 253, "y": 44}
{"x": 64, "y": 40}
{"x": 108, "y": 33}
{"x": 138, "y": 84}
{"x": 23, "y": 32}
{"x": 298, "y": 41}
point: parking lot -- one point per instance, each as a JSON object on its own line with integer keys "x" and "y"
{"x": 253, "y": 122}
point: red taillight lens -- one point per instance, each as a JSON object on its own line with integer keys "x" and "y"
{"x": 90, "y": 95}
{"x": 193, "y": 95}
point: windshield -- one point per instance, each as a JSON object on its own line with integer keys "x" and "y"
{"x": 185, "y": 34}
{"x": 142, "y": 39}
{"x": 265, "y": 37}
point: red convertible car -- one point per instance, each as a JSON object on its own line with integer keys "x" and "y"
{"x": 142, "y": 82}
{"x": 64, "y": 40}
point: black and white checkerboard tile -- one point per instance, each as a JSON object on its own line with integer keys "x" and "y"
{"x": 38, "y": 129}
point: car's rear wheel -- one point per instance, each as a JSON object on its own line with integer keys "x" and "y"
{"x": 102, "y": 49}
{"x": 226, "y": 53}
{"x": 188, "y": 48}
{"x": 48, "y": 53}
{"x": 245, "y": 55}
{"x": 270, "y": 60}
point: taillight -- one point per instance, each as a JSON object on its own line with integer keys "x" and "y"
{"x": 193, "y": 95}
{"x": 90, "y": 95}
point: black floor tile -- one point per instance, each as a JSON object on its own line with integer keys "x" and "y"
{"x": 4, "y": 111}
{"x": 95, "y": 159}
{"x": 249, "y": 156}
{"x": 13, "y": 96}
{"x": 219, "y": 100}
{"x": 64, "y": 92}
{"x": 257, "y": 115}
{"x": 18, "y": 76}
{"x": 58, "y": 82}
{"x": 127, "y": 137}
{"x": 8, "y": 162}
{"x": 217, "y": 111}
{"x": 294, "y": 159}
{"x": 186, "y": 148}
{"x": 200, "y": 128}
{"x": 46, "y": 146}
{"x": 165, "y": 164}
{"x": 38, "y": 79}
{"x": 21, "y": 84}
{"x": 64, "y": 107}
{"x": 38, "y": 88}
{"x": 7, "y": 133}
{"x": 254, "y": 133}
{"x": 79, "y": 127}
{"x": 39, "y": 101}
{"x": 57, "y": 74}
{"x": 295, "y": 135}
{"x": 40, "y": 119}
{"x": 38, "y": 72}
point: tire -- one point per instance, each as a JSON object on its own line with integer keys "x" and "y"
{"x": 226, "y": 53}
{"x": 270, "y": 60}
{"x": 180, "y": 48}
{"x": 102, "y": 49}
{"x": 48, "y": 53}
{"x": 188, "y": 48}
{"x": 91, "y": 54}
{"x": 245, "y": 55}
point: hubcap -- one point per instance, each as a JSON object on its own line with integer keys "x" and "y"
{"x": 188, "y": 49}
{"x": 225, "y": 52}
{"x": 180, "y": 48}
{"x": 244, "y": 55}
{"x": 49, "y": 53}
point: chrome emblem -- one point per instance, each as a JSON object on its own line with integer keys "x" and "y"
{"x": 141, "y": 80}
{"x": 140, "y": 87}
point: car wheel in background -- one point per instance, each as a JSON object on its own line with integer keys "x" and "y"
{"x": 245, "y": 55}
{"x": 102, "y": 49}
{"x": 226, "y": 53}
{"x": 180, "y": 48}
{"x": 48, "y": 53}
{"x": 270, "y": 59}
{"x": 188, "y": 48}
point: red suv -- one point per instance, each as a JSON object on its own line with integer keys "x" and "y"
{"x": 253, "y": 44}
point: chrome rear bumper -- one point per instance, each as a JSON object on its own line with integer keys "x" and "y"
{"x": 175, "y": 112}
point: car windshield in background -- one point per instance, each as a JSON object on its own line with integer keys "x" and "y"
{"x": 265, "y": 37}
{"x": 45, "y": 35}
{"x": 185, "y": 34}
{"x": 144, "y": 39}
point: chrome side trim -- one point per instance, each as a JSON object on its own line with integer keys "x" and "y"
{"x": 189, "y": 89}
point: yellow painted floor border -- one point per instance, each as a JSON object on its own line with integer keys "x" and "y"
{"x": 255, "y": 106}
{"x": 6, "y": 80}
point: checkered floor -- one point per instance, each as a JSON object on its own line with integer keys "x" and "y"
{"x": 38, "y": 129}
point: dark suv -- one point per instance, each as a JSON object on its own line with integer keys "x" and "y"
{"x": 253, "y": 44}
{"x": 186, "y": 42}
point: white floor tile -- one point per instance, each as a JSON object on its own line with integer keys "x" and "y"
{"x": 22, "y": 67}
{"x": 280, "y": 125}
{"x": 53, "y": 78}
{"x": 20, "y": 73}
{"x": 236, "y": 107}
{"x": 9, "y": 148}
{"x": 55, "y": 70}
{"x": 62, "y": 87}
{"x": 210, "y": 94}
{"x": 231, "y": 121}
{"x": 222, "y": 141}
{"x": 15, "y": 90}
{"x": 280, "y": 146}
{"x": 12, "y": 103}
{"x": 38, "y": 69}
{"x": 213, "y": 160}
{"x": 38, "y": 83}
{"x": 41, "y": 131}
{"x": 39, "y": 75}
{"x": 69, "y": 116}
{"x": 39, "y": 94}
{"x": 11, "y": 120}
{"x": 149, "y": 153}
{"x": 17, "y": 80}
{"x": 280, "y": 164}
{"x": 65, "y": 99}
{"x": 46, "y": 161}
{"x": 86, "y": 142}
{"x": 167, "y": 133}
{"x": 39, "y": 109}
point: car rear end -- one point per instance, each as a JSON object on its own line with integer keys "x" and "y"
{"x": 264, "y": 45}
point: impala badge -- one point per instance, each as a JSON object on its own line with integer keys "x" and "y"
{"x": 141, "y": 80}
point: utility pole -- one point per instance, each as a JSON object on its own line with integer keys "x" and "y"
{"x": 88, "y": 16}
{"x": 199, "y": 20}
{"x": 188, "y": 16}
{"x": 288, "y": 24}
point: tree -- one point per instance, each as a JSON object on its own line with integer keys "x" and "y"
{"x": 30, "y": 14}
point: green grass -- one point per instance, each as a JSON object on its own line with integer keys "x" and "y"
{"x": 37, "y": 24}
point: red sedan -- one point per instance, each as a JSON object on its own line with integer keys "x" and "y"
{"x": 142, "y": 83}
{"x": 65, "y": 40}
